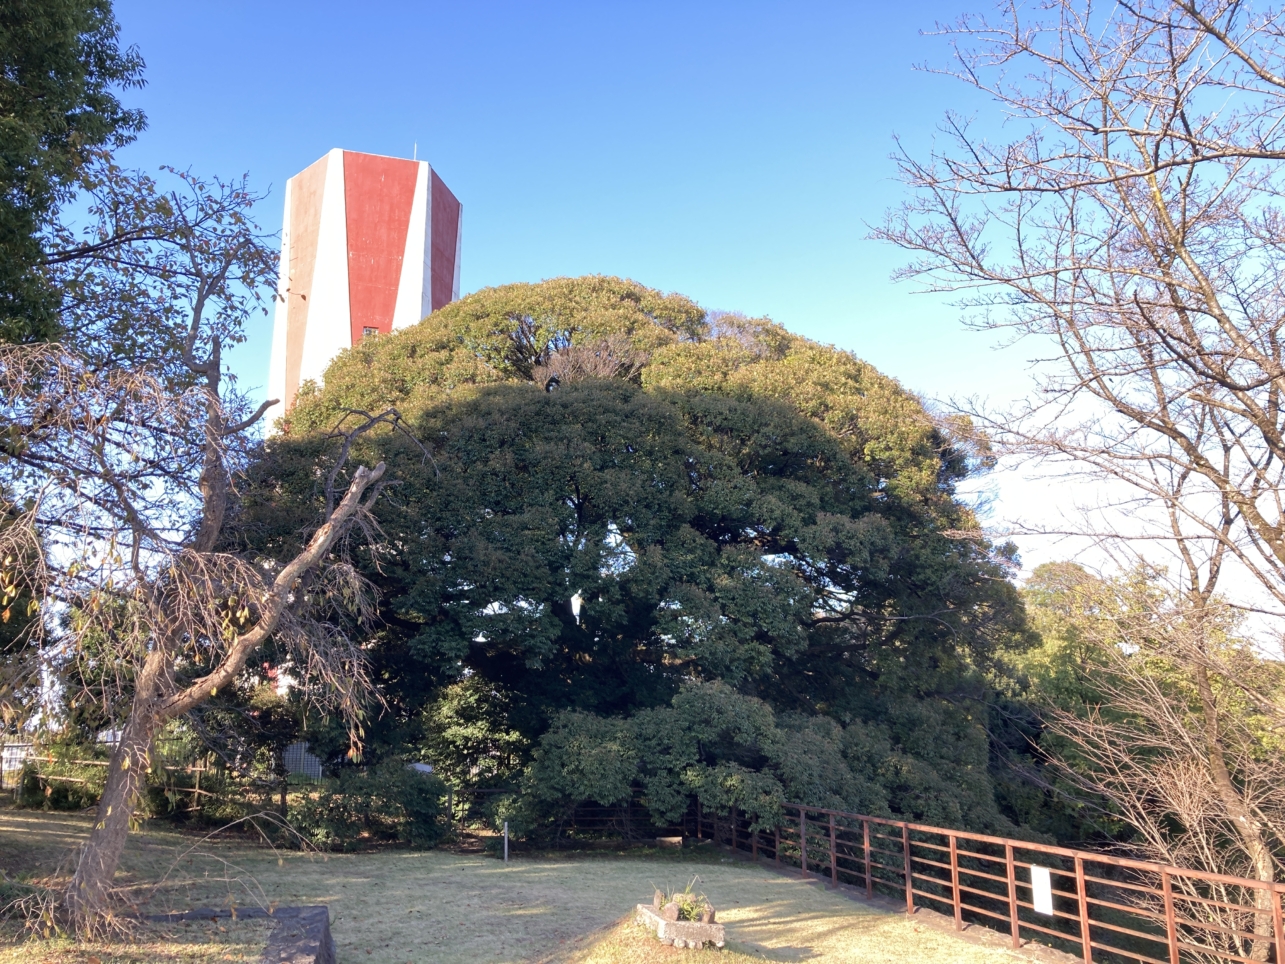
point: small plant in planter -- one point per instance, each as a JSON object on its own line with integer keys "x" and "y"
{"x": 682, "y": 918}
{"x": 686, "y": 904}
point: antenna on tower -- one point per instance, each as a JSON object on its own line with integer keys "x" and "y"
{"x": 415, "y": 152}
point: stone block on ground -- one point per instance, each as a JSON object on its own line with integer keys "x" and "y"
{"x": 680, "y": 933}
{"x": 302, "y": 934}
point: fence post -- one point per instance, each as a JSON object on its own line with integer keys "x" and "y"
{"x": 803, "y": 841}
{"x": 754, "y": 845}
{"x": 834, "y": 862}
{"x": 776, "y": 844}
{"x": 954, "y": 883}
{"x": 1278, "y": 924}
{"x": 1086, "y": 939}
{"x": 865, "y": 840}
{"x": 1011, "y": 870}
{"x": 910, "y": 882}
{"x": 1171, "y": 926}
{"x": 731, "y": 826}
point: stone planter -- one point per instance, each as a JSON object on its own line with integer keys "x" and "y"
{"x": 680, "y": 933}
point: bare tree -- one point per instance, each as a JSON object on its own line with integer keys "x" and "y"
{"x": 1132, "y": 228}
{"x": 610, "y": 357}
{"x": 1169, "y": 732}
{"x": 119, "y": 462}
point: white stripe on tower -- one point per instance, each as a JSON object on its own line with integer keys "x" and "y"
{"x": 329, "y": 317}
{"x": 413, "y": 285}
{"x": 280, "y": 319}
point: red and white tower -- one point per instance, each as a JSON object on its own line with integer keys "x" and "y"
{"x": 368, "y": 244}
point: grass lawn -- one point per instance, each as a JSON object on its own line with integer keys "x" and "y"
{"x": 394, "y": 906}
{"x": 189, "y": 942}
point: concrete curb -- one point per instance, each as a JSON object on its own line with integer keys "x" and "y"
{"x": 302, "y": 934}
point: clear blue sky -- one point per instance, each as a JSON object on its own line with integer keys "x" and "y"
{"x": 730, "y": 151}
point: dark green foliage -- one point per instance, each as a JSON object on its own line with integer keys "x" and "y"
{"x": 495, "y": 335}
{"x": 465, "y": 734}
{"x": 69, "y": 774}
{"x": 71, "y": 780}
{"x": 384, "y": 803}
{"x": 926, "y": 762}
{"x": 222, "y": 798}
{"x": 249, "y": 728}
{"x": 61, "y": 65}
{"x": 749, "y": 527}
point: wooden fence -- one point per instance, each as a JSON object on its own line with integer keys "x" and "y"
{"x": 1104, "y": 908}
{"x": 585, "y": 824}
{"x": 171, "y": 756}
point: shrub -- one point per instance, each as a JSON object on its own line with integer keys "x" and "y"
{"x": 171, "y": 795}
{"x": 71, "y": 776}
{"x": 58, "y": 781}
{"x": 385, "y": 803}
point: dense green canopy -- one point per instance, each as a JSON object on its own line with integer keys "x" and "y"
{"x": 62, "y": 64}
{"x": 718, "y": 503}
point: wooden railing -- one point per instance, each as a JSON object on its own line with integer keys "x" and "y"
{"x": 1102, "y": 907}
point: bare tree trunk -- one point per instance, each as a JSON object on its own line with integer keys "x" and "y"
{"x": 1247, "y": 826}
{"x": 87, "y": 896}
{"x": 152, "y": 705}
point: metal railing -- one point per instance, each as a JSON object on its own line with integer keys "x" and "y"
{"x": 1105, "y": 908}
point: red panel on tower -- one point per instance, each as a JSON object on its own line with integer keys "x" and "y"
{"x": 446, "y": 232}
{"x": 378, "y": 193}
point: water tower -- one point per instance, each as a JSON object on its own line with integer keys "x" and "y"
{"x": 368, "y": 244}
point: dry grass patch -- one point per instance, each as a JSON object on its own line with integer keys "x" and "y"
{"x": 630, "y": 943}
{"x": 188, "y": 942}
{"x": 395, "y": 906}
{"x": 823, "y": 927}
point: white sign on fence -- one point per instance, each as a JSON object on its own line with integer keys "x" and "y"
{"x": 1042, "y": 890}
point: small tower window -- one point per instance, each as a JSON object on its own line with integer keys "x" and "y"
{"x": 368, "y": 331}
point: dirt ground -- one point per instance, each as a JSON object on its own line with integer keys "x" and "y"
{"x": 396, "y": 906}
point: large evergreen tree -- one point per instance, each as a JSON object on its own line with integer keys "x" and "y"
{"x": 625, "y": 499}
